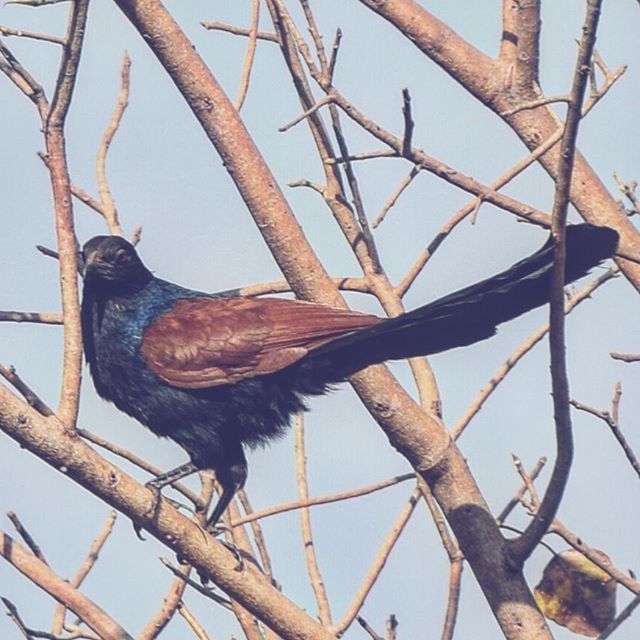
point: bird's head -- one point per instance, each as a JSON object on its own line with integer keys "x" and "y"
{"x": 112, "y": 262}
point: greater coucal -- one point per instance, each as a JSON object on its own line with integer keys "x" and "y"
{"x": 217, "y": 372}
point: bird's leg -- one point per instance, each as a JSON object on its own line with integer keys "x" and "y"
{"x": 231, "y": 476}
{"x": 159, "y": 482}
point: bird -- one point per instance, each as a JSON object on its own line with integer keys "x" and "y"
{"x": 218, "y": 372}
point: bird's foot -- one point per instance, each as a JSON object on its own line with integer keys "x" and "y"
{"x": 152, "y": 485}
{"x": 237, "y": 552}
{"x": 217, "y": 529}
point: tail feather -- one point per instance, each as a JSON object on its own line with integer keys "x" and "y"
{"x": 468, "y": 315}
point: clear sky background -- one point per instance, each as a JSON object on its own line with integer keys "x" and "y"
{"x": 165, "y": 176}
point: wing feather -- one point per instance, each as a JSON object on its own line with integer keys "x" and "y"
{"x": 207, "y": 342}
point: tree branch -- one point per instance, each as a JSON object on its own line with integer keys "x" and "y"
{"x": 521, "y": 548}
{"x": 41, "y": 575}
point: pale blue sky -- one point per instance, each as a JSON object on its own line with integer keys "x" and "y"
{"x": 165, "y": 175}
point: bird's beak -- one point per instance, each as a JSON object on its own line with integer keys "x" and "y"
{"x": 90, "y": 263}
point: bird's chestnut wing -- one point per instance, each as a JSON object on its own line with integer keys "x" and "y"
{"x": 206, "y": 342}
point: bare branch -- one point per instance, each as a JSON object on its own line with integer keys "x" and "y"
{"x": 524, "y": 487}
{"x": 41, "y": 575}
{"x": 61, "y": 187}
{"x": 22, "y": 33}
{"x": 369, "y": 629}
{"x": 594, "y": 555}
{"x": 282, "y": 286}
{"x": 620, "y": 618}
{"x": 87, "y": 565}
{"x": 107, "y": 205}
{"x": 376, "y": 568}
{"x": 251, "y": 52}
{"x": 10, "y": 375}
{"x": 532, "y": 104}
{"x": 170, "y": 604}
{"x": 11, "y": 67}
{"x": 625, "y": 357}
{"x": 336, "y": 497}
{"x": 190, "y": 619}
{"x": 258, "y": 535}
{"x": 239, "y": 31}
{"x": 455, "y": 582}
{"x": 521, "y": 548}
{"x": 478, "y": 74}
{"x": 393, "y": 198}
{"x": 21, "y": 530}
{"x": 611, "y": 419}
{"x": 31, "y": 316}
{"x": 207, "y": 592}
{"x": 408, "y": 123}
{"x": 315, "y": 575}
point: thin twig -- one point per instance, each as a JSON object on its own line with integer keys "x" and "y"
{"x": 533, "y": 104}
{"x": 30, "y": 87}
{"x": 391, "y": 626}
{"x": 456, "y": 560}
{"x": 408, "y": 123}
{"x": 620, "y": 618}
{"x": 21, "y": 530}
{"x": 292, "y": 123}
{"x": 42, "y": 575}
{"x": 366, "y": 155}
{"x": 22, "y": 33}
{"x": 376, "y": 568}
{"x": 239, "y": 31}
{"x": 31, "y": 316}
{"x": 471, "y": 207}
{"x": 393, "y": 198}
{"x": 49, "y": 253}
{"x": 170, "y": 605}
{"x": 335, "y": 47}
{"x": 108, "y": 207}
{"x": 629, "y": 191}
{"x": 282, "y": 286}
{"x": 521, "y": 548}
{"x": 559, "y": 529}
{"x": 527, "y": 481}
{"x": 315, "y": 575}
{"x": 369, "y": 629}
{"x": 10, "y": 375}
{"x": 612, "y": 420}
{"x": 31, "y": 634}
{"x": 625, "y": 357}
{"x": 78, "y": 193}
{"x": 336, "y": 497}
{"x": 250, "y": 55}
{"x": 513, "y": 502}
{"x": 223, "y": 602}
{"x": 83, "y": 571}
{"x": 191, "y": 620}
{"x": 61, "y": 187}
{"x": 258, "y": 534}
{"x": 453, "y": 601}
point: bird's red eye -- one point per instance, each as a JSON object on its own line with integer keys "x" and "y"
{"x": 123, "y": 257}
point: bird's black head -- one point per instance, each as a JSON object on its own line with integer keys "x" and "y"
{"x": 112, "y": 262}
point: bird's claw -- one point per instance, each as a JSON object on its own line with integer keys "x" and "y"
{"x": 157, "y": 496}
{"x": 236, "y": 552}
{"x": 217, "y": 529}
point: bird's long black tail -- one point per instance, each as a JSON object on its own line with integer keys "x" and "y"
{"x": 468, "y": 315}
